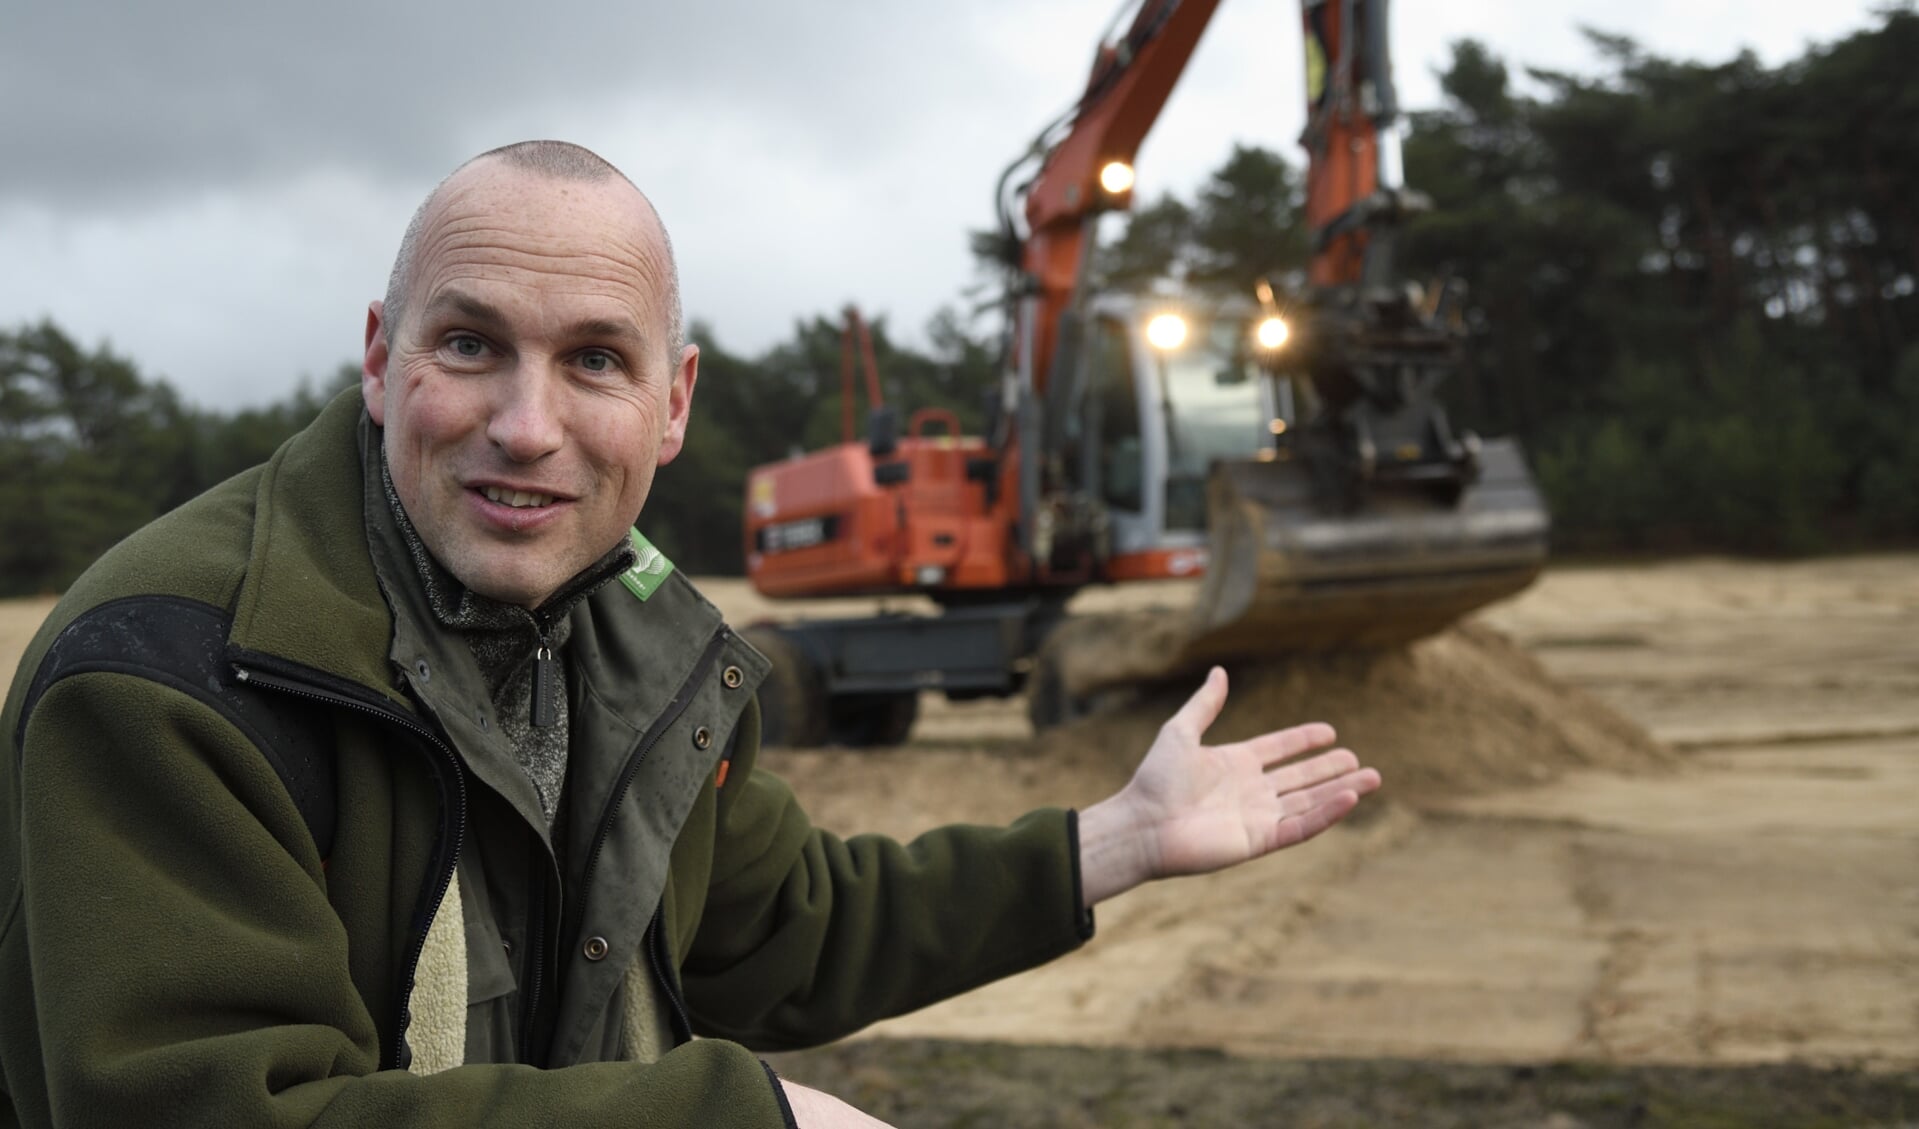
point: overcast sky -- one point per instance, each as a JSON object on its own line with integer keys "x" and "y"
{"x": 216, "y": 187}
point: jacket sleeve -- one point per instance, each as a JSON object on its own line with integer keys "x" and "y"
{"x": 171, "y": 958}
{"x": 806, "y": 937}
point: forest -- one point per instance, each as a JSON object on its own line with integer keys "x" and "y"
{"x": 1690, "y": 292}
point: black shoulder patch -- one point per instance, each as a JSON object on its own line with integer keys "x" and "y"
{"x": 181, "y": 644}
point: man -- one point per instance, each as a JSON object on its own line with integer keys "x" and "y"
{"x": 382, "y": 775}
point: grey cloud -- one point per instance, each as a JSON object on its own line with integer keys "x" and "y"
{"x": 111, "y": 106}
{"x": 218, "y": 186}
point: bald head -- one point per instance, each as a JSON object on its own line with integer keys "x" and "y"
{"x": 561, "y": 162}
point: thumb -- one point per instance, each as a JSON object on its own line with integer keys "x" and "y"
{"x": 1202, "y": 709}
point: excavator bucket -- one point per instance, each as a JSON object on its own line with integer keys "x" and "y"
{"x": 1286, "y": 575}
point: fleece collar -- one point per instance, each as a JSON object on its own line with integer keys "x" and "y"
{"x": 308, "y": 564}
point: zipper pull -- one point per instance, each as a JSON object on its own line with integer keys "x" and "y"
{"x": 546, "y": 687}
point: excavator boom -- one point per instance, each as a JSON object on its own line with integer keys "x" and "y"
{"x": 1133, "y": 73}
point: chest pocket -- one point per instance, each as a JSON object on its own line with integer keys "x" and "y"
{"x": 489, "y": 973}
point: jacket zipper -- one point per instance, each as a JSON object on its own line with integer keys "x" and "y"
{"x": 530, "y": 1007}
{"x": 656, "y": 956}
{"x": 682, "y": 698}
{"x": 543, "y": 713}
{"x": 456, "y": 833}
{"x": 546, "y": 691}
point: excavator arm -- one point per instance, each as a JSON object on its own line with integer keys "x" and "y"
{"x": 1353, "y": 165}
{"x": 1132, "y": 75}
{"x": 1086, "y": 157}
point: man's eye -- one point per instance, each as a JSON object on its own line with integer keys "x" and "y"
{"x": 596, "y": 362}
{"x": 466, "y": 345}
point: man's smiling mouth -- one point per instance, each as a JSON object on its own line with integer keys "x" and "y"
{"x": 518, "y": 499}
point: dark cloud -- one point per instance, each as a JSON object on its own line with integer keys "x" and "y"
{"x": 110, "y": 105}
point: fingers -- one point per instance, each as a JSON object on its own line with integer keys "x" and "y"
{"x": 1284, "y": 744}
{"x": 1304, "y": 815}
{"x": 1305, "y": 774}
{"x": 1359, "y": 782}
{"x": 1294, "y": 830}
{"x": 1202, "y": 709}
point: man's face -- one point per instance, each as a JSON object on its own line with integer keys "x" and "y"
{"x": 528, "y": 396}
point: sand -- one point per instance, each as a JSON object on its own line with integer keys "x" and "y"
{"x": 1641, "y": 815}
{"x": 1465, "y": 710}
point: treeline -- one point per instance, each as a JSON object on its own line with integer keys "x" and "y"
{"x": 1691, "y": 293}
{"x": 92, "y": 450}
{"x": 1694, "y": 287}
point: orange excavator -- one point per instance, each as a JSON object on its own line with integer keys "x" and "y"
{"x": 1289, "y": 447}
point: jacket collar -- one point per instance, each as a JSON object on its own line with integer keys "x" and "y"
{"x": 304, "y": 567}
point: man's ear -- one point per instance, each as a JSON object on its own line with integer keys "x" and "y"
{"x": 679, "y": 404}
{"x": 373, "y": 367}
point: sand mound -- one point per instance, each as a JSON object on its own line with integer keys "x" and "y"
{"x": 1465, "y": 710}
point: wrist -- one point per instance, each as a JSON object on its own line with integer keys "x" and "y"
{"x": 1115, "y": 850}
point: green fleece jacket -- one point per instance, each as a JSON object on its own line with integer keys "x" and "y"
{"x": 186, "y": 942}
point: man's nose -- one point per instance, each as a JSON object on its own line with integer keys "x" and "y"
{"x": 526, "y": 424}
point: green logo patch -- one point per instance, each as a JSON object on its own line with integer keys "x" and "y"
{"x": 650, "y": 567}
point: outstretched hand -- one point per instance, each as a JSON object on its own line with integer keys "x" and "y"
{"x": 1192, "y": 807}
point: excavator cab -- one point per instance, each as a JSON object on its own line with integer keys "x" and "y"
{"x": 1164, "y": 389}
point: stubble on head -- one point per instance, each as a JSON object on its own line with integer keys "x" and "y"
{"x": 560, "y": 161}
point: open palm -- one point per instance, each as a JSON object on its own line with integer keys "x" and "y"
{"x": 1203, "y": 807}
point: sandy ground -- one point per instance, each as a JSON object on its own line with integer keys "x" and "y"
{"x": 1753, "y": 899}
{"x": 1757, "y": 901}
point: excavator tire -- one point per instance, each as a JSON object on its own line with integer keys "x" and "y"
{"x": 1048, "y": 701}
{"x": 1096, "y": 663}
{"x": 793, "y": 704}
{"x": 863, "y": 721}
{"x": 1286, "y": 575}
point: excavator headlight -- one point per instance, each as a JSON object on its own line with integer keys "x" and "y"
{"x": 1272, "y": 332}
{"x": 1116, "y": 177}
{"x": 1166, "y": 331}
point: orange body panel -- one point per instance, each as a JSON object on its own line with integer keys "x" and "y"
{"x": 822, "y": 525}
